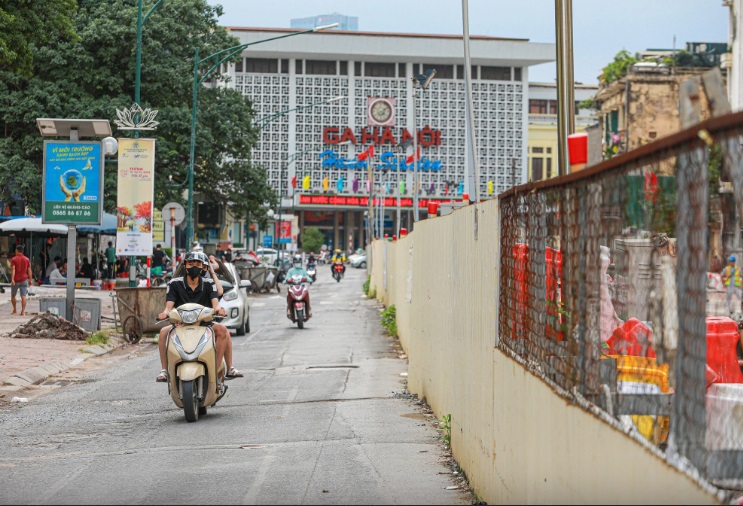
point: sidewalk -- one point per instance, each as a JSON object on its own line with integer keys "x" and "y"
{"x": 25, "y": 362}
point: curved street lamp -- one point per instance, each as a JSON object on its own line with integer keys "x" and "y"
{"x": 423, "y": 80}
{"x": 219, "y": 57}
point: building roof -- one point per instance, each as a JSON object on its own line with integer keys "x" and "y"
{"x": 398, "y": 47}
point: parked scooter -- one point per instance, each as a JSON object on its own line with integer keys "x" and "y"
{"x": 337, "y": 271}
{"x": 297, "y": 291}
{"x": 312, "y": 272}
{"x": 192, "y": 360}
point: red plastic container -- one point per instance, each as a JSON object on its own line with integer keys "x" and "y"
{"x": 578, "y": 148}
{"x": 634, "y": 338}
{"x": 403, "y": 232}
{"x": 521, "y": 257}
{"x": 433, "y": 209}
{"x": 722, "y": 340}
{"x": 553, "y": 287}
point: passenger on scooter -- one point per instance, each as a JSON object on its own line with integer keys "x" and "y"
{"x": 195, "y": 289}
{"x": 297, "y": 270}
{"x": 339, "y": 257}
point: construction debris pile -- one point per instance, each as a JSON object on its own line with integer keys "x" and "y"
{"x": 48, "y": 326}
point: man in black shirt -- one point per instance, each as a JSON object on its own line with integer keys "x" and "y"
{"x": 194, "y": 288}
{"x": 158, "y": 261}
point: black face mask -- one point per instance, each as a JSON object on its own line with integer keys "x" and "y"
{"x": 194, "y": 272}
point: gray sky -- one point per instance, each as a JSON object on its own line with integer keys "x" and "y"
{"x": 601, "y": 28}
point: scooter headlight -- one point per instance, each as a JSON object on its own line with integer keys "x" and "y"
{"x": 231, "y": 295}
{"x": 189, "y": 317}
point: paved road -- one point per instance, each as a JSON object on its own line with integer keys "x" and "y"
{"x": 321, "y": 417}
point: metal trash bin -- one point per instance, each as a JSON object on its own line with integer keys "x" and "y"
{"x": 138, "y": 309}
{"x": 87, "y": 313}
{"x": 258, "y": 277}
{"x": 55, "y": 305}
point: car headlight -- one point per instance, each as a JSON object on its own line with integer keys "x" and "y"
{"x": 189, "y": 317}
{"x": 231, "y": 295}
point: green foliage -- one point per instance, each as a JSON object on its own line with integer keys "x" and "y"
{"x": 94, "y": 74}
{"x": 618, "y": 68}
{"x": 366, "y": 285}
{"x": 589, "y": 103}
{"x": 28, "y": 23}
{"x": 389, "y": 320}
{"x": 445, "y": 427}
{"x": 312, "y": 239}
{"x": 97, "y": 338}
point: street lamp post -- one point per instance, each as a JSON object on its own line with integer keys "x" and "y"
{"x": 219, "y": 57}
{"x": 140, "y": 22}
{"x": 423, "y": 80}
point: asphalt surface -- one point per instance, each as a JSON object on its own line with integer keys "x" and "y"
{"x": 321, "y": 417}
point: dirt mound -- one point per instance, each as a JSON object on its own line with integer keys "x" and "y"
{"x": 48, "y": 326}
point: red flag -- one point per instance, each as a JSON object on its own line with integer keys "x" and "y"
{"x": 368, "y": 153}
{"x": 294, "y": 181}
{"x": 418, "y": 156}
{"x": 651, "y": 186}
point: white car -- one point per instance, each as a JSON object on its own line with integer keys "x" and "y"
{"x": 267, "y": 255}
{"x": 353, "y": 258}
{"x": 234, "y": 299}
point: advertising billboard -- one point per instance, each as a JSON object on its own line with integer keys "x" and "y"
{"x": 72, "y": 187}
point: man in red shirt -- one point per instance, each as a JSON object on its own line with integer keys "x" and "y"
{"x": 20, "y": 278}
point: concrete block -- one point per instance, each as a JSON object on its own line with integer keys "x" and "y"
{"x": 16, "y": 381}
{"x": 95, "y": 349}
{"x": 34, "y": 376}
{"x": 51, "y": 368}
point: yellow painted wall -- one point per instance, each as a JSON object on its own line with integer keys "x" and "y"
{"x": 517, "y": 440}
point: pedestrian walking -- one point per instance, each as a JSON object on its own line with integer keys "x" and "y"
{"x": 110, "y": 260}
{"x": 20, "y": 277}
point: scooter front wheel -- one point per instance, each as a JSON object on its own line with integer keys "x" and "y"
{"x": 190, "y": 401}
{"x": 300, "y": 318}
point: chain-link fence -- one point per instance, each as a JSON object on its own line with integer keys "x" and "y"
{"x": 614, "y": 287}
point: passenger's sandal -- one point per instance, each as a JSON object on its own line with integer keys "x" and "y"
{"x": 233, "y": 373}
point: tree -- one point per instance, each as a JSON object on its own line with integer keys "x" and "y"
{"x": 312, "y": 239}
{"x": 25, "y": 24}
{"x": 617, "y": 68}
{"x": 92, "y": 76}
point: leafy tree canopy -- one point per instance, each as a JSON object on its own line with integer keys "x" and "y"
{"x": 92, "y": 76}
{"x": 25, "y": 24}
{"x": 312, "y": 239}
{"x": 617, "y": 69}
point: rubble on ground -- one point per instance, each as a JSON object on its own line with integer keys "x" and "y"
{"x": 48, "y": 326}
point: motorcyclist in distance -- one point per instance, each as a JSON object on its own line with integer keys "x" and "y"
{"x": 339, "y": 257}
{"x": 297, "y": 270}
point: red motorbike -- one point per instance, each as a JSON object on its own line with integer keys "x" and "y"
{"x": 338, "y": 271}
{"x": 298, "y": 292}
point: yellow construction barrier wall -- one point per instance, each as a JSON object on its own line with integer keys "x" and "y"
{"x": 516, "y": 439}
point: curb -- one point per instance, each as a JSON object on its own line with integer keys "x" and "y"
{"x": 37, "y": 375}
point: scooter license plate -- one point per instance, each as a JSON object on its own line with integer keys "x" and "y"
{"x": 299, "y": 305}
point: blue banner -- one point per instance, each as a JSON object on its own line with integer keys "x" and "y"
{"x": 73, "y": 180}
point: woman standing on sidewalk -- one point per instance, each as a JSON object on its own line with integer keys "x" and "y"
{"x": 20, "y": 278}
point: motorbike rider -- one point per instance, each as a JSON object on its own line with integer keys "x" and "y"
{"x": 311, "y": 258}
{"x": 297, "y": 270}
{"x": 194, "y": 288}
{"x": 339, "y": 257}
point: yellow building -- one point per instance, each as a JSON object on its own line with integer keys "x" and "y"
{"x": 542, "y": 156}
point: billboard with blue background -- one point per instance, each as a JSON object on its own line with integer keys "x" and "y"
{"x": 73, "y": 180}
